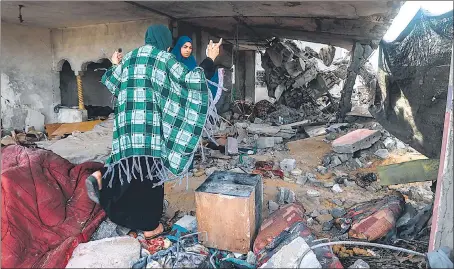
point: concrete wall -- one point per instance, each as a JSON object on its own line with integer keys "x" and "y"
{"x": 28, "y": 84}
{"x": 81, "y": 45}
{"x": 442, "y": 218}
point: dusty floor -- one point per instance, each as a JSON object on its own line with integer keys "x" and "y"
{"x": 308, "y": 153}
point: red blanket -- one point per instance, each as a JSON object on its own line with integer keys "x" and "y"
{"x": 46, "y": 212}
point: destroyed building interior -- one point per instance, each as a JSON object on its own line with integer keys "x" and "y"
{"x": 331, "y": 145}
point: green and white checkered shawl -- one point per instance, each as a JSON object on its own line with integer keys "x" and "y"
{"x": 161, "y": 110}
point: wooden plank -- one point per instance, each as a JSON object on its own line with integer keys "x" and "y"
{"x": 68, "y": 128}
{"x": 50, "y": 128}
{"x": 408, "y": 172}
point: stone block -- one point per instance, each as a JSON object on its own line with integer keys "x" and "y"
{"x": 116, "y": 252}
{"x": 265, "y": 142}
{"x": 356, "y": 140}
{"x": 287, "y": 165}
{"x": 71, "y": 115}
{"x": 228, "y": 208}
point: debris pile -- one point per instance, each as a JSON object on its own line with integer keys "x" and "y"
{"x": 294, "y": 79}
{"x": 26, "y": 138}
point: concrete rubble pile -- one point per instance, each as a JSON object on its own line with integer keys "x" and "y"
{"x": 294, "y": 79}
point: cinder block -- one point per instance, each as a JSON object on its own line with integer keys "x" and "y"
{"x": 71, "y": 115}
{"x": 231, "y": 147}
{"x": 356, "y": 140}
{"x": 228, "y": 208}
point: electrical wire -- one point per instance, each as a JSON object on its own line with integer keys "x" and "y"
{"x": 359, "y": 243}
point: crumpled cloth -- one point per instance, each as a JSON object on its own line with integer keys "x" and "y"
{"x": 46, "y": 211}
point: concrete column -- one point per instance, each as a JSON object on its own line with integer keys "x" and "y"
{"x": 240, "y": 74}
{"x": 360, "y": 54}
{"x": 249, "y": 82}
{"x": 442, "y": 218}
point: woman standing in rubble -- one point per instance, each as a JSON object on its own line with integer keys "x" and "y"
{"x": 183, "y": 53}
{"x": 160, "y": 111}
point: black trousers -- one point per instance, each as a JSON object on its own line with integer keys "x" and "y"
{"x": 137, "y": 204}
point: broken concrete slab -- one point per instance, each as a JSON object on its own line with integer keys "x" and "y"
{"x": 265, "y": 142}
{"x": 360, "y": 112}
{"x": 322, "y": 170}
{"x": 285, "y": 196}
{"x": 296, "y": 124}
{"x": 382, "y": 153}
{"x": 313, "y": 193}
{"x": 338, "y": 212}
{"x": 335, "y": 161}
{"x": 296, "y": 172}
{"x": 314, "y": 131}
{"x": 272, "y": 206}
{"x": 408, "y": 172}
{"x": 337, "y": 127}
{"x": 288, "y": 165}
{"x": 359, "y": 264}
{"x": 305, "y": 77}
{"x": 295, "y": 67}
{"x": 263, "y": 129}
{"x": 290, "y": 255}
{"x": 301, "y": 180}
{"x": 336, "y": 188}
{"x": 117, "y": 252}
{"x": 231, "y": 146}
{"x": 356, "y": 140}
{"x": 389, "y": 143}
{"x": 419, "y": 194}
{"x": 188, "y": 222}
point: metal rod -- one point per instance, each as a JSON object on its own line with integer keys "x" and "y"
{"x": 358, "y": 243}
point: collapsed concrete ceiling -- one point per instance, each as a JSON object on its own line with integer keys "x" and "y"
{"x": 338, "y": 23}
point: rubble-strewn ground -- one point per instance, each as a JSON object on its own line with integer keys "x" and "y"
{"x": 309, "y": 154}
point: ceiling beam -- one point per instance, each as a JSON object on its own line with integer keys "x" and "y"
{"x": 373, "y": 18}
{"x": 150, "y": 9}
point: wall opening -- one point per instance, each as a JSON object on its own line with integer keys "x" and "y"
{"x": 97, "y": 98}
{"x": 68, "y": 86}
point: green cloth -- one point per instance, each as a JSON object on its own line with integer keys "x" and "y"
{"x": 160, "y": 110}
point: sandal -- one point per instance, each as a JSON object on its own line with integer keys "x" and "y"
{"x": 163, "y": 233}
{"x": 91, "y": 183}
